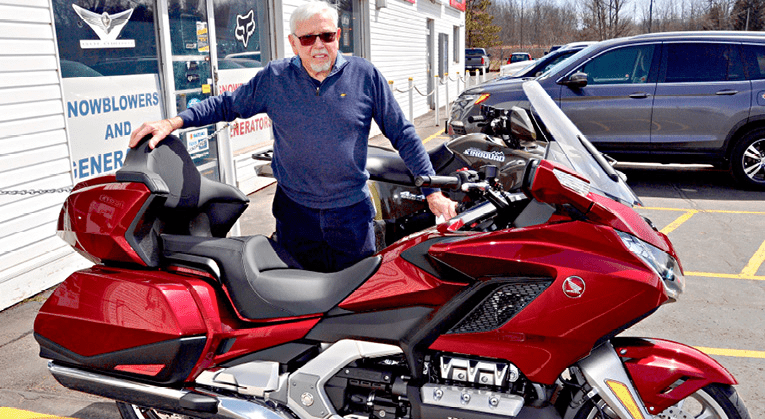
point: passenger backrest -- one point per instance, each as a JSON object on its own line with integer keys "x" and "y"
{"x": 194, "y": 204}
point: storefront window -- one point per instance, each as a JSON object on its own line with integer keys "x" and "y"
{"x": 106, "y": 37}
{"x": 350, "y": 38}
{"x": 241, "y": 30}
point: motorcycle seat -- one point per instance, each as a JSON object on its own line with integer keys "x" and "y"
{"x": 260, "y": 284}
{"x": 387, "y": 166}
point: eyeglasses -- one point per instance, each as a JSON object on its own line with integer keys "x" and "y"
{"x": 308, "y": 40}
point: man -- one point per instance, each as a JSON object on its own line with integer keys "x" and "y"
{"x": 322, "y": 104}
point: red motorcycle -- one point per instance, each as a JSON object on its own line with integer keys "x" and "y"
{"x": 510, "y": 310}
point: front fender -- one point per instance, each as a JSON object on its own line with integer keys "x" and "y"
{"x": 665, "y": 372}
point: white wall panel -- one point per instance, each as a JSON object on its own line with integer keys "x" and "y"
{"x": 399, "y": 47}
{"x": 35, "y": 152}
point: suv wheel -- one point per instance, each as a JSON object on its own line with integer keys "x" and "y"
{"x": 748, "y": 160}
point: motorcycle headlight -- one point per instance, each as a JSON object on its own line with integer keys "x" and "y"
{"x": 660, "y": 261}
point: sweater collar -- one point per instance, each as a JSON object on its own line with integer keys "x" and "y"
{"x": 340, "y": 62}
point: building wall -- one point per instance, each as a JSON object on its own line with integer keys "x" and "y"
{"x": 35, "y": 153}
{"x": 399, "y": 48}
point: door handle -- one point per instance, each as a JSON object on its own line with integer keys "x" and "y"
{"x": 727, "y": 92}
{"x": 639, "y": 95}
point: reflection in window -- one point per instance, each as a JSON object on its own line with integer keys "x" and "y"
{"x": 106, "y": 37}
{"x": 620, "y": 66}
{"x": 241, "y": 29}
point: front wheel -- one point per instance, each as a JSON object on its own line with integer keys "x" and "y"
{"x": 130, "y": 411}
{"x": 748, "y": 160}
{"x": 715, "y": 401}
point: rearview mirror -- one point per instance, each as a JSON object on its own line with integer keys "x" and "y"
{"x": 521, "y": 126}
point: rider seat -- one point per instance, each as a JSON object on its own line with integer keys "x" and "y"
{"x": 261, "y": 285}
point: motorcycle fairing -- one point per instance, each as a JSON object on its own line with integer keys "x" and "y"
{"x": 665, "y": 372}
{"x": 553, "y": 331}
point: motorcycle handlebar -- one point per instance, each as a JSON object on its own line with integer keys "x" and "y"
{"x": 437, "y": 181}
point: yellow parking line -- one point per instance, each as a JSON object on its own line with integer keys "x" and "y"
{"x": 703, "y": 210}
{"x": 755, "y": 262}
{"x": 432, "y": 136}
{"x": 11, "y": 413}
{"x": 725, "y": 276}
{"x": 731, "y": 352}
{"x": 680, "y": 220}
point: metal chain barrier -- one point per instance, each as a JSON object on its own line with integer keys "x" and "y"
{"x": 35, "y": 191}
{"x": 67, "y": 189}
{"x": 440, "y": 81}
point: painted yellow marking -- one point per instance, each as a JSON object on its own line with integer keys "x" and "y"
{"x": 753, "y": 266}
{"x": 11, "y": 413}
{"x": 680, "y": 220}
{"x": 740, "y": 353}
{"x": 725, "y": 276}
{"x": 702, "y": 210}
{"x": 432, "y": 136}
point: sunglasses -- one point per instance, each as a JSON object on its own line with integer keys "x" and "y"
{"x": 308, "y": 40}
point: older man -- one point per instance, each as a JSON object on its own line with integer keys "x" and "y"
{"x": 322, "y": 105}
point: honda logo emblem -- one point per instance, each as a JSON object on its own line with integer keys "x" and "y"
{"x": 573, "y": 287}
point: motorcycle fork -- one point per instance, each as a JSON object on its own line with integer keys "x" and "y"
{"x": 605, "y": 373}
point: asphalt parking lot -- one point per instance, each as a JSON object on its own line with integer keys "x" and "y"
{"x": 719, "y": 233}
{"x": 718, "y": 230}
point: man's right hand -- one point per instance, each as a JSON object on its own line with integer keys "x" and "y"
{"x": 157, "y": 129}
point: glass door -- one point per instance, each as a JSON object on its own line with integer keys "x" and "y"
{"x": 190, "y": 78}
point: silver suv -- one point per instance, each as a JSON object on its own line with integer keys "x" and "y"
{"x": 681, "y": 97}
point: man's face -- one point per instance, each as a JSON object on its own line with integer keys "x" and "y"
{"x": 318, "y": 57}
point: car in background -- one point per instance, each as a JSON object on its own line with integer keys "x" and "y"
{"x": 515, "y": 62}
{"x": 678, "y": 97}
{"x": 517, "y": 57}
{"x": 536, "y": 67}
{"x": 476, "y": 60}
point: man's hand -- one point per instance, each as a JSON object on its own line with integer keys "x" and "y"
{"x": 442, "y": 206}
{"x": 158, "y": 129}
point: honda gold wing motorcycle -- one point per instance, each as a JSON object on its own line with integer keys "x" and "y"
{"x": 511, "y": 310}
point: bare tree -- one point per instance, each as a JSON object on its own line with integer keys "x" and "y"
{"x": 603, "y": 19}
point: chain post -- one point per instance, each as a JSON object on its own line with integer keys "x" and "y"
{"x": 390, "y": 83}
{"x": 437, "y": 85}
{"x": 458, "y": 83}
{"x": 446, "y": 107}
{"x": 411, "y": 99}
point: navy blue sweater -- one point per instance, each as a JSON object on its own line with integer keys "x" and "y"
{"x": 321, "y": 130}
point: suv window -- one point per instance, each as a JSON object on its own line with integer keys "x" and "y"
{"x": 620, "y": 66}
{"x": 754, "y": 56}
{"x": 702, "y": 62}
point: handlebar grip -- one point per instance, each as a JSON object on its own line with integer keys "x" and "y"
{"x": 476, "y": 118}
{"x": 437, "y": 181}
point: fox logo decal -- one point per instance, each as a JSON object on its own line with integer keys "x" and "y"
{"x": 245, "y": 27}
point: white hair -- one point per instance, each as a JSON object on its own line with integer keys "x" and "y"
{"x": 309, "y": 9}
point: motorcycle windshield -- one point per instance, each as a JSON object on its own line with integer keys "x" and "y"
{"x": 572, "y": 149}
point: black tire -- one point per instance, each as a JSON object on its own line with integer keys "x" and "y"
{"x": 747, "y": 161}
{"x": 715, "y": 401}
{"x": 129, "y": 411}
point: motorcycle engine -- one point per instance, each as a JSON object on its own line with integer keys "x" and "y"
{"x": 380, "y": 388}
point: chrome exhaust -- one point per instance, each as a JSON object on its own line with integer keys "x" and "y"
{"x": 180, "y": 401}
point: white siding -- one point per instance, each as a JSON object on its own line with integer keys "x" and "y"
{"x": 35, "y": 152}
{"x": 399, "y": 34}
